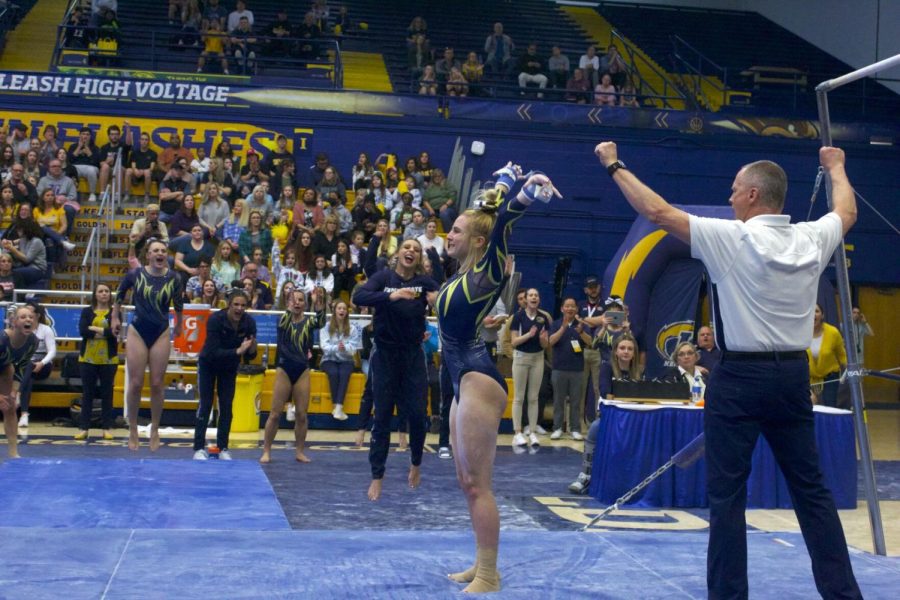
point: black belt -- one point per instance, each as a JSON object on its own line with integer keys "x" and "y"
{"x": 764, "y": 356}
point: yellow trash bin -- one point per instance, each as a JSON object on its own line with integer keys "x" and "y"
{"x": 247, "y": 393}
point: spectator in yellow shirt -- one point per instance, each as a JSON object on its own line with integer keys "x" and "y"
{"x": 827, "y": 357}
{"x": 53, "y": 221}
{"x": 213, "y": 47}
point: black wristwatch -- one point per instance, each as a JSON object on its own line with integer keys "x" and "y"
{"x": 611, "y": 169}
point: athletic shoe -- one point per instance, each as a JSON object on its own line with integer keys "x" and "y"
{"x": 23, "y": 420}
{"x": 291, "y": 413}
{"x": 92, "y": 198}
{"x": 540, "y": 430}
{"x": 534, "y": 440}
{"x": 519, "y": 440}
{"x": 68, "y": 245}
{"x": 527, "y": 430}
{"x": 556, "y": 434}
{"x": 580, "y": 485}
{"x": 201, "y": 455}
{"x": 576, "y": 435}
{"x": 108, "y": 435}
{"x": 444, "y": 453}
{"x": 338, "y": 413}
{"x": 126, "y": 197}
{"x": 81, "y": 435}
{"x": 224, "y": 455}
{"x": 519, "y": 450}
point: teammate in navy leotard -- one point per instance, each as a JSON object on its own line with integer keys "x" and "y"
{"x": 397, "y": 367}
{"x": 478, "y": 240}
{"x": 295, "y": 342}
{"x": 17, "y": 345}
{"x": 153, "y": 288}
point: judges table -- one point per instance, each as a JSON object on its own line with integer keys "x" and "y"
{"x": 636, "y": 439}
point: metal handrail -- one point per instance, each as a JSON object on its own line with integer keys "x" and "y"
{"x": 687, "y": 64}
{"x": 643, "y": 85}
{"x": 106, "y": 213}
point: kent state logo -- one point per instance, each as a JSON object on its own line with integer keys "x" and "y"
{"x": 672, "y": 334}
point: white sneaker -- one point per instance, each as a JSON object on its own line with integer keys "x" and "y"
{"x": 581, "y": 484}
{"x": 577, "y": 436}
{"x": 291, "y": 413}
{"x": 68, "y": 245}
{"x": 92, "y": 198}
{"x": 534, "y": 440}
{"x": 527, "y": 430}
{"x": 556, "y": 434}
{"x": 23, "y": 420}
{"x": 224, "y": 455}
{"x": 519, "y": 440}
{"x": 338, "y": 412}
{"x": 201, "y": 455}
{"x": 444, "y": 453}
{"x": 540, "y": 430}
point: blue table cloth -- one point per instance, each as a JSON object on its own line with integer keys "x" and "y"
{"x": 635, "y": 440}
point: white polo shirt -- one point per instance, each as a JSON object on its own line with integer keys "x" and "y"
{"x": 764, "y": 276}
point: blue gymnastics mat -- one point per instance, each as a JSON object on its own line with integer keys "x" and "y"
{"x": 137, "y": 494}
{"x": 129, "y": 564}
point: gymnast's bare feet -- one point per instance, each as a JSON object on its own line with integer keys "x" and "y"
{"x": 154, "y": 439}
{"x": 265, "y": 458}
{"x": 301, "y": 457}
{"x": 134, "y": 440}
{"x": 415, "y": 476}
{"x": 374, "y": 490}
{"x": 464, "y": 576}
{"x": 360, "y": 438}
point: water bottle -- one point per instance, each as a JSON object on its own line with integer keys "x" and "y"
{"x": 696, "y": 390}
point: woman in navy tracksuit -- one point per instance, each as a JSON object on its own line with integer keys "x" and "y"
{"x": 400, "y": 297}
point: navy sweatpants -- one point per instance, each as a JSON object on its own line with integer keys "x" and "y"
{"x": 223, "y": 382}
{"x": 744, "y": 399}
{"x": 399, "y": 378}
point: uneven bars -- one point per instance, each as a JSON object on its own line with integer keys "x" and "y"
{"x": 827, "y": 86}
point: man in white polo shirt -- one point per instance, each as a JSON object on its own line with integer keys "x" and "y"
{"x": 763, "y": 275}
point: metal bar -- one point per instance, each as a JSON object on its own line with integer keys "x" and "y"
{"x": 831, "y": 84}
{"x": 854, "y": 370}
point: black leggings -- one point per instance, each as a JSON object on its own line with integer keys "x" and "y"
{"x": 28, "y": 378}
{"x": 223, "y": 382}
{"x": 91, "y": 375}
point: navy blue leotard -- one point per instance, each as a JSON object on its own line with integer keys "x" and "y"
{"x": 17, "y": 357}
{"x": 295, "y": 341}
{"x": 151, "y": 298}
{"x": 466, "y": 299}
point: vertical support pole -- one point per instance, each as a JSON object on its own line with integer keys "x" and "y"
{"x": 854, "y": 370}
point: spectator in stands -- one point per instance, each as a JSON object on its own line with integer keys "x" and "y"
{"x": 7, "y": 160}
{"x": 220, "y": 174}
{"x": 213, "y": 12}
{"x": 457, "y": 84}
{"x": 605, "y": 92}
{"x": 473, "y": 70}
{"x": 615, "y": 66}
{"x": 531, "y": 70}
{"x": 189, "y": 252}
{"x": 224, "y": 268}
{"x": 287, "y": 273}
{"x": 288, "y": 177}
{"x": 194, "y": 287}
{"x": 110, "y": 151}
{"x": 401, "y": 212}
{"x": 387, "y": 246}
{"x": 141, "y": 165}
{"x": 191, "y": 24}
{"x": 277, "y": 158}
{"x": 8, "y": 208}
{"x": 243, "y": 46}
{"x": 428, "y": 82}
{"x": 176, "y": 9}
{"x": 240, "y": 12}
{"x": 606, "y": 333}
{"x": 499, "y": 48}
{"x": 568, "y": 338}
{"x": 322, "y": 277}
{"x": 418, "y": 56}
{"x": 279, "y": 33}
{"x": 339, "y": 340}
{"x": 175, "y": 187}
{"x": 53, "y": 221}
{"x": 343, "y": 268}
{"x": 200, "y": 168}
{"x": 358, "y": 248}
{"x": 183, "y": 221}
{"x": 331, "y": 182}
{"x": 252, "y": 174}
{"x": 257, "y": 234}
{"x": 440, "y": 198}
{"x": 75, "y": 36}
{"x": 590, "y": 64}
{"x": 861, "y": 329}
{"x": 417, "y": 26}
{"x": 68, "y": 169}
{"x": 19, "y": 141}
{"x": 50, "y": 146}
{"x": 529, "y": 338}
{"x": 33, "y": 167}
{"x": 39, "y": 367}
{"x": 578, "y": 88}
{"x": 213, "y": 210}
{"x": 425, "y": 167}
{"x": 384, "y": 199}
{"x": 257, "y": 287}
{"x": 321, "y": 13}
{"x": 317, "y": 170}
{"x": 558, "y": 68}
{"x": 23, "y": 190}
{"x": 430, "y": 239}
{"x": 85, "y": 156}
{"x": 365, "y": 216}
{"x": 326, "y": 237}
{"x": 708, "y": 354}
{"x": 827, "y": 358}
{"x": 8, "y": 280}
{"x": 235, "y": 224}
{"x": 345, "y": 218}
{"x": 342, "y": 22}
{"x": 211, "y": 295}
{"x": 628, "y": 96}
{"x": 443, "y": 66}
{"x": 362, "y": 171}
{"x": 223, "y": 151}
{"x": 213, "y": 47}
{"x": 260, "y": 201}
{"x": 144, "y": 229}
{"x": 625, "y": 366}
{"x": 416, "y": 228}
{"x": 170, "y": 155}
{"x": 308, "y": 31}
{"x": 24, "y": 242}
{"x": 308, "y": 212}
{"x": 64, "y": 190}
